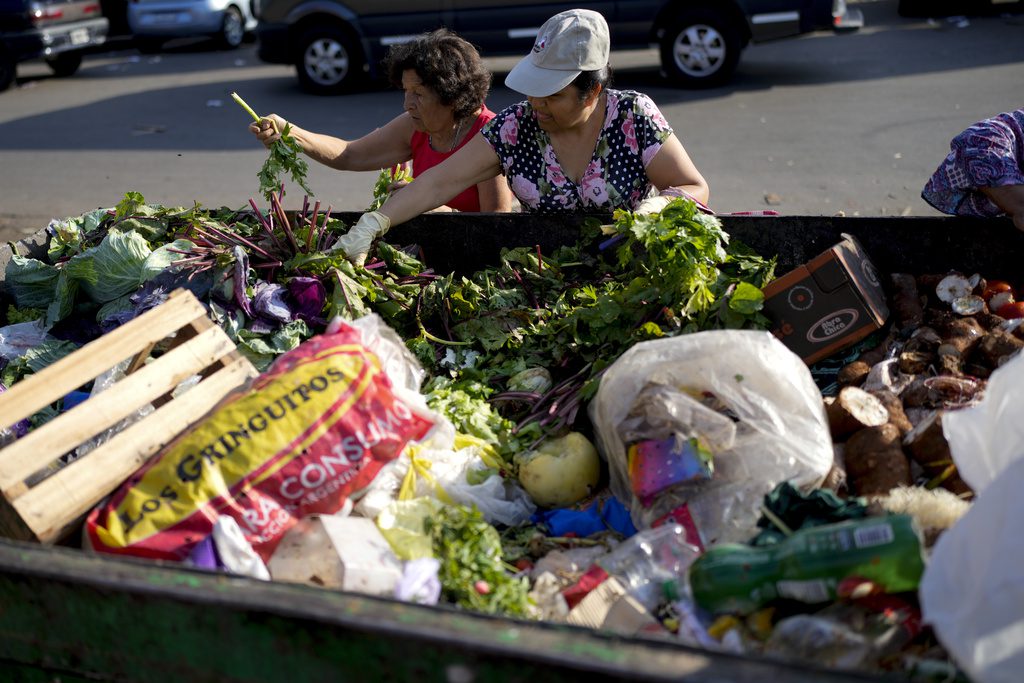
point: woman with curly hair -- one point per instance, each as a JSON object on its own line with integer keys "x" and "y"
{"x": 445, "y": 83}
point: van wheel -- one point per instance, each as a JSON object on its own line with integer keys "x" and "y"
{"x": 232, "y": 29}
{"x": 7, "y": 69}
{"x": 329, "y": 61}
{"x": 65, "y": 64}
{"x": 700, "y": 49}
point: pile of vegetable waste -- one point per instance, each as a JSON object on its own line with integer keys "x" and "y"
{"x": 512, "y": 352}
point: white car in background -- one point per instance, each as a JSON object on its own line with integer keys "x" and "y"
{"x": 153, "y": 22}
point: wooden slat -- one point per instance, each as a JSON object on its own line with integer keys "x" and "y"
{"x": 44, "y": 387}
{"x": 39, "y": 447}
{"x": 55, "y": 505}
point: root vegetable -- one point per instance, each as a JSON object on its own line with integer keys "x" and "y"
{"x": 997, "y": 346}
{"x": 853, "y": 374}
{"x": 927, "y": 446}
{"x": 906, "y": 301}
{"x": 917, "y": 394}
{"x": 875, "y": 462}
{"x": 853, "y": 410}
{"x": 989, "y": 321}
{"x": 977, "y": 370}
{"x": 963, "y": 333}
{"x": 926, "y": 284}
{"x": 915, "y": 362}
{"x": 950, "y": 364}
{"x": 923, "y": 339}
{"x": 894, "y": 406}
{"x": 880, "y": 352}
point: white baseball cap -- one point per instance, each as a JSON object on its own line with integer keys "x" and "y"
{"x": 567, "y": 44}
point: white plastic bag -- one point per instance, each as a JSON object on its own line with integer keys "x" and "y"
{"x": 443, "y": 472}
{"x": 972, "y": 591}
{"x": 235, "y": 552}
{"x": 780, "y": 431}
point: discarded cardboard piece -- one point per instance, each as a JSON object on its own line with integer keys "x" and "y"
{"x": 345, "y": 553}
{"x": 608, "y": 607}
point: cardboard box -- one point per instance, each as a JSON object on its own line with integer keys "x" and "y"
{"x": 345, "y": 553}
{"x": 827, "y": 304}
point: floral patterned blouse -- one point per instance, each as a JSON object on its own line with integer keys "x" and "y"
{"x": 633, "y": 132}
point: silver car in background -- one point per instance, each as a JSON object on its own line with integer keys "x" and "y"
{"x": 154, "y": 22}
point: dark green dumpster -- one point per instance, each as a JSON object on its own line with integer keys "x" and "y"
{"x": 66, "y": 615}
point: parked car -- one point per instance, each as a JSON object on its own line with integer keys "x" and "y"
{"x": 59, "y": 31}
{"x": 335, "y": 43}
{"x": 154, "y": 22}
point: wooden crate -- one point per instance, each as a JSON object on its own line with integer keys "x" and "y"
{"x": 48, "y": 510}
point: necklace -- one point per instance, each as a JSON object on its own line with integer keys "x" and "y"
{"x": 455, "y": 140}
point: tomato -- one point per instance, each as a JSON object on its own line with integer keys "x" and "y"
{"x": 1011, "y": 310}
{"x": 523, "y": 564}
{"x": 995, "y": 287}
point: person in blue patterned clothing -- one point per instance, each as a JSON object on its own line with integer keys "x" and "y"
{"x": 574, "y": 145}
{"x": 983, "y": 174}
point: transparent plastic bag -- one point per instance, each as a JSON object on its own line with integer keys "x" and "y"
{"x": 694, "y": 384}
{"x": 971, "y": 592}
{"x": 18, "y": 338}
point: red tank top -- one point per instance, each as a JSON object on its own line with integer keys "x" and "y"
{"x": 424, "y": 157}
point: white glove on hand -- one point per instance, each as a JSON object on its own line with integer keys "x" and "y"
{"x": 654, "y": 204}
{"x": 356, "y": 242}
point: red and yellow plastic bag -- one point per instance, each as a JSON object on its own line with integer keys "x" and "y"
{"x": 317, "y": 426}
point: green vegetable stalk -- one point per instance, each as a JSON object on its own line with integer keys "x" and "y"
{"x": 385, "y": 179}
{"x": 285, "y": 158}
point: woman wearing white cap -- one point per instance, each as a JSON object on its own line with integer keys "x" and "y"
{"x": 574, "y": 144}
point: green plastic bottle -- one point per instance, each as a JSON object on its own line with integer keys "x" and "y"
{"x": 808, "y": 566}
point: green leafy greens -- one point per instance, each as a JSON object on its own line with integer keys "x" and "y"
{"x": 472, "y": 572}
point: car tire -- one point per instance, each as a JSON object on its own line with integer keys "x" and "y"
{"x": 329, "y": 60}
{"x": 701, "y": 48}
{"x": 8, "y": 68}
{"x": 65, "y": 64}
{"x": 232, "y": 29}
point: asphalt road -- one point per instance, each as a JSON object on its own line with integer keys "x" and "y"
{"x": 813, "y": 126}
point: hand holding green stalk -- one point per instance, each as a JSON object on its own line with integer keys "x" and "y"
{"x": 284, "y": 158}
